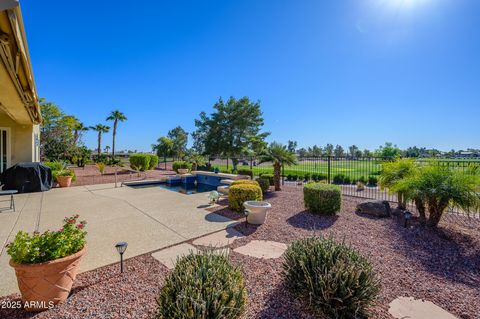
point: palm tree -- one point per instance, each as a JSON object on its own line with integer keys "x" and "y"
{"x": 115, "y": 116}
{"x": 100, "y": 128}
{"x": 436, "y": 187}
{"x": 78, "y": 129}
{"x": 279, "y": 155}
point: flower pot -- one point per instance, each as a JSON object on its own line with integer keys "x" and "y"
{"x": 64, "y": 181}
{"x": 183, "y": 171}
{"x": 46, "y": 284}
{"x": 257, "y": 211}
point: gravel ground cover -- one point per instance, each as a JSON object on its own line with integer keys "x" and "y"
{"x": 442, "y": 266}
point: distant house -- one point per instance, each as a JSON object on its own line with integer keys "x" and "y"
{"x": 467, "y": 154}
{"x": 19, "y": 109}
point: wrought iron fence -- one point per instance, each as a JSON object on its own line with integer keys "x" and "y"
{"x": 356, "y": 176}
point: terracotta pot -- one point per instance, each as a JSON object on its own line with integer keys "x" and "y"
{"x": 64, "y": 181}
{"x": 46, "y": 284}
{"x": 183, "y": 171}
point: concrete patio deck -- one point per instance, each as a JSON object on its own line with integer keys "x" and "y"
{"x": 147, "y": 218}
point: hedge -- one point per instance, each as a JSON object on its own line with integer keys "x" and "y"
{"x": 322, "y": 198}
{"x": 264, "y": 183}
{"x": 240, "y": 193}
{"x": 181, "y": 164}
{"x": 140, "y": 162}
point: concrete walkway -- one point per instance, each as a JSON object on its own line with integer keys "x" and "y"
{"x": 147, "y": 218}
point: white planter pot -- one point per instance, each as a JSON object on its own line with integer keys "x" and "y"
{"x": 183, "y": 171}
{"x": 257, "y": 211}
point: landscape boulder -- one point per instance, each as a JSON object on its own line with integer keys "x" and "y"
{"x": 377, "y": 208}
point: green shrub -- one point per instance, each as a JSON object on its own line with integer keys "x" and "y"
{"x": 181, "y": 164}
{"x": 347, "y": 180}
{"x": 362, "y": 180}
{"x": 245, "y": 171}
{"x": 322, "y": 177}
{"x": 245, "y": 181}
{"x": 264, "y": 183}
{"x": 332, "y": 278}
{"x": 294, "y": 177}
{"x": 307, "y": 177}
{"x": 338, "y": 179}
{"x": 372, "y": 180}
{"x": 50, "y": 245}
{"x": 315, "y": 177}
{"x": 65, "y": 172}
{"x": 269, "y": 176}
{"x": 238, "y": 194}
{"x": 153, "y": 161}
{"x": 55, "y": 165}
{"x": 139, "y": 162}
{"x": 300, "y": 177}
{"x": 289, "y": 177}
{"x": 322, "y": 198}
{"x": 203, "y": 285}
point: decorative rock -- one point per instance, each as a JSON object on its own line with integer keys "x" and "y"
{"x": 408, "y": 307}
{"x": 375, "y": 208}
{"x": 262, "y": 249}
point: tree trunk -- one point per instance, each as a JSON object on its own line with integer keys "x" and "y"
{"x": 421, "y": 211}
{"x": 114, "y": 135}
{"x": 99, "y": 144}
{"x": 401, "y": 201}
{"x": 276, "y": 175}
{"x": 436, "y": 210}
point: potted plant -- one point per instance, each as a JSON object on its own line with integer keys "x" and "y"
{"x": 46, "y": 264}
{"x": 65, "y": 177}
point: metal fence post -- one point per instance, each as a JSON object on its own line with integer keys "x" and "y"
{"x": 283, "y": 174}
{"x": 328, "y": 170}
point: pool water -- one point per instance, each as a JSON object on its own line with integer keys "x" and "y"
{"x": 189, "y": 189}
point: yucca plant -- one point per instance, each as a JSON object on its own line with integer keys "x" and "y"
{"x": 331, "y": 277}
{"x": 435, "y": 187}
{"x": 203, "y": 285}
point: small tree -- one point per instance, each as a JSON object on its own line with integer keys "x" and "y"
{"x": 278, "y": 155}
{"x": 196, "y": 160}
{"x": 388, "y": 151}
{"x": 393, "y": 173}
{"x": 435, "y": 187}
{"x": 164, "y": 148}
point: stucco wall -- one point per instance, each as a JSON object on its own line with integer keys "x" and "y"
{"x": 22, "y": 140}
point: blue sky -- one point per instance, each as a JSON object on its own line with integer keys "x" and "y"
{"x": 344, "y": 72}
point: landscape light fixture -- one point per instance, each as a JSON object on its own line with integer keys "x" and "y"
{"x": 121, "y": 247}
{"x": 407, "y": 216}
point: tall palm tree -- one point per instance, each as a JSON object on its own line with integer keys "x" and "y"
{"x": 78, "y": 129}
{"x": 279, "y": 155}
{"x": 115, "y": 116}
{"x": 100, "y": 128}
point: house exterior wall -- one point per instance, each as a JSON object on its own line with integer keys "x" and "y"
{"x": 23, "y": 140}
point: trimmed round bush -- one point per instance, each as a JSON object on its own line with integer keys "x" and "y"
{"x": 245, "y": 181}
{"x": 332, "y": 278}
{"x": 203, "y": 285}
{"x": 264, "y": 183}
{"x": 181, "y": 164}
{"x": 240, "y": 193}
{"x": 153, "y": 161}
{"x": 139, "y": 162}
{"x": 269, "y": 176}
{"x": 245, "y": 171}
{"x": 322, "y": 198}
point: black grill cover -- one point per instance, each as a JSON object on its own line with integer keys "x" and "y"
{"x": 27, "y": 177}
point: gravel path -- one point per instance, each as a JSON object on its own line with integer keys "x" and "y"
{"x": 442, "y": 266}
